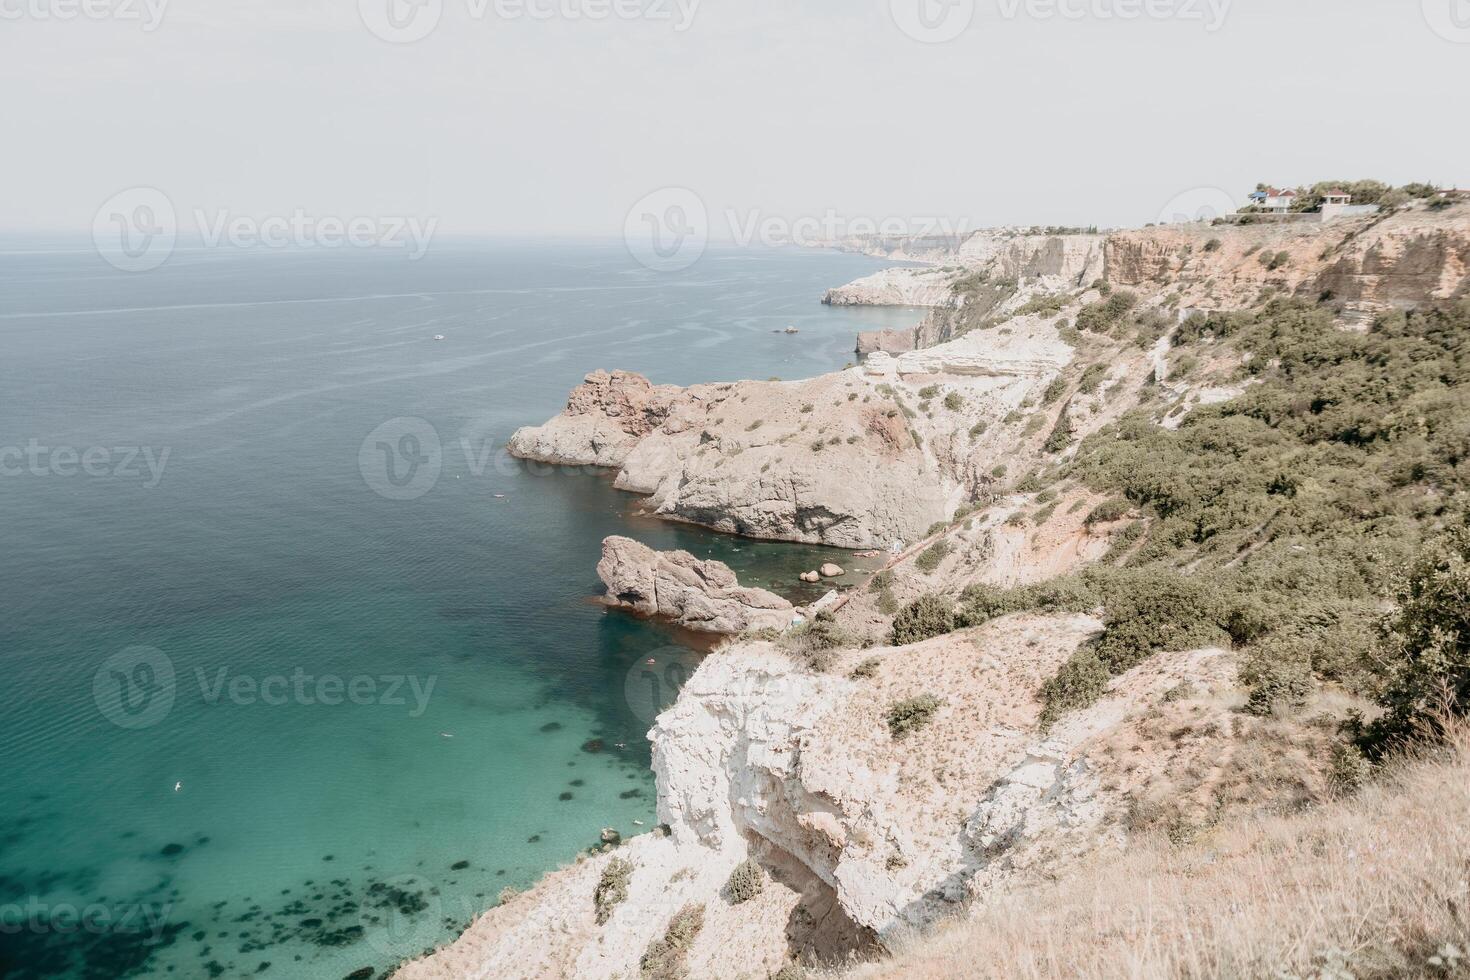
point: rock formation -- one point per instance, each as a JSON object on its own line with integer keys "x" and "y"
{"x": 605, "y": 417}
{"x": 698, "y": 595}
{"x": 766, "y": 757}
{"x": 894, "y": 287}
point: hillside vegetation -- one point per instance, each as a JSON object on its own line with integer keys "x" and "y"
{"x": 1370, "y": 888}
{"x": 1280, "y": 521}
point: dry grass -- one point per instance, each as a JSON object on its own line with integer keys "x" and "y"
{"x": 1374, "y": 886}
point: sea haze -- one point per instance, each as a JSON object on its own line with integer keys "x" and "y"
{"x": 190, "y": 487}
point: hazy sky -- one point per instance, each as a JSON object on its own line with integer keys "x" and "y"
{"x": 502, "y": 122}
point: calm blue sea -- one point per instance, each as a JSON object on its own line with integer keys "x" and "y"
{"x": 300, "y": 670}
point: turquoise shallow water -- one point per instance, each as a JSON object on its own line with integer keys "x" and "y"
{"x": 492, "y": 717}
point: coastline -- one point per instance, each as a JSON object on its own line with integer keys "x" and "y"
{"x": 764, "y": 758}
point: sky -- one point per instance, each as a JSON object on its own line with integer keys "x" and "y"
{"x": 557, "y": 117}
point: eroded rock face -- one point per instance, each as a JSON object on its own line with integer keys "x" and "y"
{"x": 889, "y": 341}
{"x": 903, "y": 830}
{"x": 858, "y": 459}
{"x": 699, "y": 595}
{"x": 1369, "y": 263}
{"x": 894, "y": 287}
{"x": 605, "y": 417}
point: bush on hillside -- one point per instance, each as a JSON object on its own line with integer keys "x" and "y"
{"x": 665, "y": 959}
{"x": 911, "y": 714}
{"x": 927, "y": 616}
{"x": 930, "y": 558}
{"x": 1426, "y": 641}
{"x": 612, "y": 888}
{"x": 745, "y": 882}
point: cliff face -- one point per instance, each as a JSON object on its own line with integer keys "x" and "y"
{"x": 894, "y": 287}
{"x": 606, "y": 416}
{"x": 862, "y": 833}
{"x": 857, "y": 459}
{"x": 865, "y": 830}
{"x": 1368, "y": 264}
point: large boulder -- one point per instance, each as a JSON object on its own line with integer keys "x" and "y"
{"x": 697, "y": 594}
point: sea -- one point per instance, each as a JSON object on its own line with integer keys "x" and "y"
{"x": 301, "y": 670}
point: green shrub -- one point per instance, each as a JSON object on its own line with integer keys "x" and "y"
{"x": 978, "y": 429}
{"x": 1349, "y": 770}
{"x": 953, "y": 401}
{"x": 1047, "y": 304}
{"x": 981, "y": 603}
{"x": 1276, "y": 673}
{"x": 1182, "y": 691}
{"x": 1102, "y": 316}
{"x": 930, "y": 558}
{"x": 1107, "y": 512}
{"x": 1092, "y": 378}
{"x": 1080, "y": 681}
{"x": 745, "y": 882}
{"x": 815, "y": 640}
{"x": 1061, "y": 434}
{"x": 1426, "y": 642}
{"x": 925, "y": 617}
{"x": 665, "y": 959}
{"x": 911, "y": 714}
{"x": 867, "y": 669}
{"x": 882, "y": 580}
{"x": 928, "y": 391}
{"x": 1213, "y": 245}
{"x": 612, "y": 888}
{"x": 1155, "y": 610}
{"x": 1053, "y": 391}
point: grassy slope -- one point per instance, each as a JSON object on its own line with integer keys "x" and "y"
{"x": 1370, "y": 887}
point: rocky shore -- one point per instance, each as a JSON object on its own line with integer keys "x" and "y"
{"x": 879, "y": 787}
